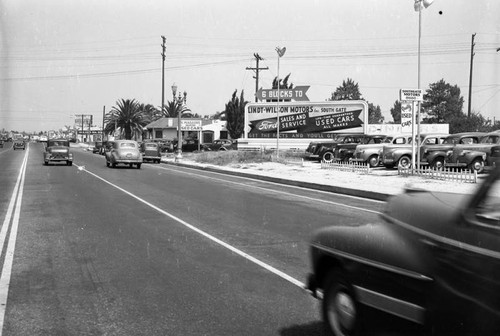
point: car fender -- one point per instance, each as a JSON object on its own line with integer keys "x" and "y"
{"x": 469, "y": 156}
{"x": 435, "y": 154}
{"x": 375, "y": 246}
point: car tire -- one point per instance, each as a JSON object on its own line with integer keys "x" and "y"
{"x": 373, "y": 161}
{"x": 340, "y": 308}
{"x": 438, "y": 163}
{"x": 327, "y": 157}
{"x": 477, "y": 165}
{"x": 404, "y": 162}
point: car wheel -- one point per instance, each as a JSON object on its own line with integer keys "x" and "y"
{"x": 328, "y": 157}
{"x": 404, "y": 162}
{"x": 477, "y": 165}
{"x": 339, "y": 307}
{"x": 373, "y": 161}
{"x": 438, "y": 163}
{"x": 138, "y": 166}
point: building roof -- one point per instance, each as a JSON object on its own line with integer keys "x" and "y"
{"x": 172, "y": 123}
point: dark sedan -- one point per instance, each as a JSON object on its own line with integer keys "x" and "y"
{"x": 220, "y": 145}
{"x": 433, "y": 259}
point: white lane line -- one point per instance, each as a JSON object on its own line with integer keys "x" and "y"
{"x": 14, "y": 208}
{"x": 283, "y": 192}
{"x": 206, "y": 235}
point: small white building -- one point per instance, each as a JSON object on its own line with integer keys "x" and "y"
{"x": 166, "y": 129}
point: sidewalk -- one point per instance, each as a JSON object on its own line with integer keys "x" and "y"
{"x": 379, "y": 184}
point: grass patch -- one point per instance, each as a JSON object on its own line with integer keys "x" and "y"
{"x": 224, "y": 158}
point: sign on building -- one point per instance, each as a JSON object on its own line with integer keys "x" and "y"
{"x": 411, "y": 95}
{"x": 191, "y": 125}
{"x": 305, "y": 119}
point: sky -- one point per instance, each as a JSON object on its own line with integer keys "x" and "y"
{"x": 61, "y": 58}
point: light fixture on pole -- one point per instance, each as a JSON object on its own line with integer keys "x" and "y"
{"x": 281, "y": 52}
{"x": 178, "y": 103}
{"x": 419, "y": 5}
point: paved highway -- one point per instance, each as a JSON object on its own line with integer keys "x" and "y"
{"x": 161, "y": 250}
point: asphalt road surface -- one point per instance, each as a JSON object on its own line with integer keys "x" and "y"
{"x": 161, "y": 250}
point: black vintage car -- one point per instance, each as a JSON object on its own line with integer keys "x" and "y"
{"x": 433, "y": 259}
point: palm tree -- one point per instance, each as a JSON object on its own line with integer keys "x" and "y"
{"x": 172, "y": 109}
{"x": 151, "y": 112}
{"x": 128, "y": 117}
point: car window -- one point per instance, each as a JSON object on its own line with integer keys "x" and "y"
{"x": 490, "y": 139}
{"x": 488, "y": 210}
{"x": 127, "y": 145}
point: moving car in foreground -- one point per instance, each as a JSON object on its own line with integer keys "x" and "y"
{"x": 57, "y": 150}
{"x": 433, "y": 259}
{"x": 124, "y": 152}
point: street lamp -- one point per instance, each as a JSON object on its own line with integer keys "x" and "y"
{"x": 281, "y": 52}
{"x": 180, "y": 101}
{"x": 419, "y": 5}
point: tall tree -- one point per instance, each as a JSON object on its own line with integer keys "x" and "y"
{"x": 235, "y": 115}
{"x": 126, "y": 117}
{"x": 349, "y": 90}
{"x": 283, "y": 82}
{"x": 442, "y": 102}
{"x": 150, "y": 112}
{"x": 396, "y": 112}
{"x": 374, "y": 114}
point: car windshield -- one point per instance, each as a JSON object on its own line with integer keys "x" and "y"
{"x": 451, "y": 140}
{"x": 127, "y": 145}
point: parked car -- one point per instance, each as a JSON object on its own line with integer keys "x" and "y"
{"x": 57, "y": 150}
{"x": 434, "y": 155}
{"x": 220, "y": 145}
{"x": 150, "y": 151}
{"x": 188, "y": 145}
{"x": 314, "y": 147}
{"x": 327, "y": 151}
{"x": 401, "y": 155}
{"x": 345, "y": 151}
{"x": 474, "y": 156}
{"x": 124, "y": 152}
{"x": 19, "y": 144}
{"x": 369, "y": 153}
{"x": 433, "y": 259}
{"x": 97, "y": 147}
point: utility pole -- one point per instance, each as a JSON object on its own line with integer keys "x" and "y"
{"x": 162, "y": 75}
{"x": 470, "y": 76}
{"x": 257, "y": 69}
{"x": 103, "y": 114}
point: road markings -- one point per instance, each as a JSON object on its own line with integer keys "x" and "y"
{"x": 283, "y": 192}
{"x": 13, "y": 212}
{"x": 206, "y": 235}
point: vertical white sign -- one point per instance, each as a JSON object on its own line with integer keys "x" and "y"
{"x": 407, "y": 109}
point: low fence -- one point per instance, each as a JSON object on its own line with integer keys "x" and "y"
{"x": 448, "y": 174}
{"x": 357, "y": 167}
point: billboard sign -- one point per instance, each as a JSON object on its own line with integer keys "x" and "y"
{"x": 305, "y": 119}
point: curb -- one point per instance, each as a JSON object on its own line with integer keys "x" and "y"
{"x": 309, "y": 185}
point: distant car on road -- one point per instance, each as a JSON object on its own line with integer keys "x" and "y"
{"x": 58, "y": 150}
{"x": 124, "y": 152}
{"x": 97, "y": 147}
{"x": 19, "y": 144}
{"x": 150, "y": 151}
{"x": 220, "y": 145}
{"x": 433, "y": 259}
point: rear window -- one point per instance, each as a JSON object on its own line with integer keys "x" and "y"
{"x": 151, "y": 145}
{"x": 127, "y": 145}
